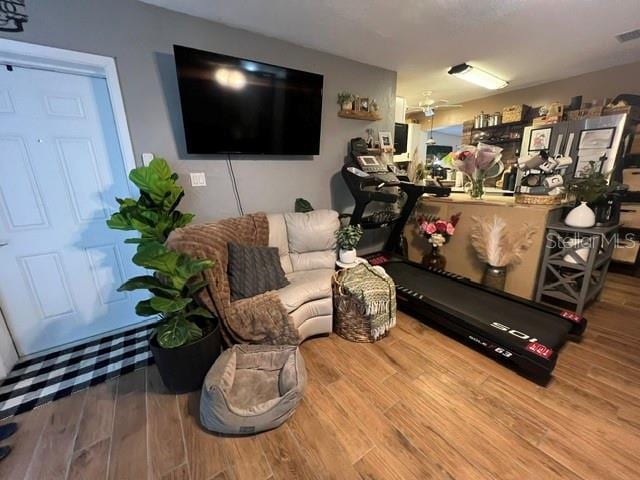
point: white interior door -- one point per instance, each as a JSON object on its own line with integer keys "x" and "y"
{"x": 61, "y": 168}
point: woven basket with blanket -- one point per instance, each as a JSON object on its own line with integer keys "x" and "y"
{"x": 364, "y": 303}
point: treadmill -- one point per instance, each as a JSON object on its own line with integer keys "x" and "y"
{"x": 521, "y": 334}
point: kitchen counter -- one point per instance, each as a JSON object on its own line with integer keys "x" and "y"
{"x": 460, "y": 255}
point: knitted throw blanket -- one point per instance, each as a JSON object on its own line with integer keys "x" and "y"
{"x": 377, "y": 292}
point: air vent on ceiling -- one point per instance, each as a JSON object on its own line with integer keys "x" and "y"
{"x": 628, "y": 36}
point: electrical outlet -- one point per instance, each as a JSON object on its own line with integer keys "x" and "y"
{"x": 198, "y": 179}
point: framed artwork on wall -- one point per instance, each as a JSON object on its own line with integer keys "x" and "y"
{"x": 539, "y": 139}
{"x": 600, "y": 138}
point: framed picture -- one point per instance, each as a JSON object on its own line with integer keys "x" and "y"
{"x": 600, "y": 138}
{"x": 364, "y": 104}
{"x": 539, "y": 139}
{"x": 385, "y": 140}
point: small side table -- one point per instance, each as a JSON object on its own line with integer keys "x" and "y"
{"x": 575, "y": 264}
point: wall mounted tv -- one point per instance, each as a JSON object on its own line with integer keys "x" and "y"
{"x": 234, "y": 105}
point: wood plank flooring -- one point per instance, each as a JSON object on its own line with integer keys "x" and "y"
{"x": 416, "y": 405}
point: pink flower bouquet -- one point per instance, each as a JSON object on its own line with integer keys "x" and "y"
{"x": 436, "y": 230}
{"x": 477, "y": 163}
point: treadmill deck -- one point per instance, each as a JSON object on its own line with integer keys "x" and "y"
{"x": 515, "y": 330}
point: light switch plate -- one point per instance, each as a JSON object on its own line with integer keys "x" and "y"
{"x": 146, "y": 158}
{"x": 198, "y": 179}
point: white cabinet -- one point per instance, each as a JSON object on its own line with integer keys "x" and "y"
{"x": 401, "y": 108}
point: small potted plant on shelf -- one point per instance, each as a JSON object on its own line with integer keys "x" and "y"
{"x": 437, "y": 232}
{"x": 345, "y": 100}
{"x": 186, "y": 340}
{"x": 348, "y": 238}
{"x": 589, "y": 190}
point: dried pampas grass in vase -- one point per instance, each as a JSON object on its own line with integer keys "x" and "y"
{"x": 498, "y": 247}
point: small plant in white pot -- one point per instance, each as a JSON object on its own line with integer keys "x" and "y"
{"x": 345, "y": 100}
{"x": 348, "y": 238}
{"x": 589, "y": 189}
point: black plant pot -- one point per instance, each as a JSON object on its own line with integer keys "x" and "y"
{"x": 183, "y": 369}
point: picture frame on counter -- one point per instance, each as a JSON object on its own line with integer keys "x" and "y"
{"x": 596, "y": 138}
{"x": 386, "y": 141}
{"x": 539, "y": 139}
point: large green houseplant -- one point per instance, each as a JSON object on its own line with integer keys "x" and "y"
{"x": 176, "y": 277}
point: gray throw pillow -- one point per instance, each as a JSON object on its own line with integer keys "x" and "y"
{"x": 254, "y": 270}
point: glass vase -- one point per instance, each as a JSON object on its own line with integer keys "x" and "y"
{"x": 434, "y": 259}
{"x": 475, "y": 186}
{"x": 494, "y": 277}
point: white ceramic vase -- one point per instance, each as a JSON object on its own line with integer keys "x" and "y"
{"x": 581, "y": 217}
{"x": 348, "y": 256}
{"x": 579, "y": 248}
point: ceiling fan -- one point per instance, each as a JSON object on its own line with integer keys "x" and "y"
{"x": 429, "y": 105}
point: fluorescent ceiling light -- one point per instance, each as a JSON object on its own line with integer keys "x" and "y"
{"x": 478, "y": 77}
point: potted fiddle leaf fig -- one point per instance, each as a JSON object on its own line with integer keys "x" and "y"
{"x": 186, "y": 340}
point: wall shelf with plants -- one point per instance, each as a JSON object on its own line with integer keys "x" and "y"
{"x": 357, "y": 108}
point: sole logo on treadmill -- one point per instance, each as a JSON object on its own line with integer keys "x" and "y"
{"x": 534, "y": 346}
{"x": 515, "y": 333}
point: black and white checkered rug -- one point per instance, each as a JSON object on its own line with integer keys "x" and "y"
{"x": 50, "y": 377}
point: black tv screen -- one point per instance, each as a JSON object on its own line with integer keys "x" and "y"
{"x": 234, "y": 105}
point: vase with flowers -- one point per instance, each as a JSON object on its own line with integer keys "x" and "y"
{"x": 477, "y": 163}
{"x": 498, "y": 247}
{"x": 437, "y": 232}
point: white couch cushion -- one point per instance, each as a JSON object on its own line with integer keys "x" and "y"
{"x": 315, "y": 308}
{"x": 305, "y": 286}
{"x": 312, "y": 260}
{"x": 278, "y": 238}
{"x": 313, "y": 231}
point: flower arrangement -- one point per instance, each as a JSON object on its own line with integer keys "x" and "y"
{"x": 436, "y": 230}
{"x": 478, "y": 164}
{"x": 496, "y": 245}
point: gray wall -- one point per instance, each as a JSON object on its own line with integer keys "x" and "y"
{"x": 141, "y": 38}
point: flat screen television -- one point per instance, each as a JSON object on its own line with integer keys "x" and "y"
{"x": 234, "y": 105}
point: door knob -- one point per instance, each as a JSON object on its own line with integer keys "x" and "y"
{"x": 4, "y": 243}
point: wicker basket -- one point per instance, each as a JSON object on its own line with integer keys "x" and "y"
{"x": 526, "y": 199}
{"x": 514, "y": 113}
{"x": 350, "y": 320}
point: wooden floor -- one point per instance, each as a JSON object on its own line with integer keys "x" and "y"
{"x": 415, "y": 405}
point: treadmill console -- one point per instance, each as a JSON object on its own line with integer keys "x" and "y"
{"x": 370, "y": 164}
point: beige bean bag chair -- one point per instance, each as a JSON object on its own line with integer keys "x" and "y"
{"x": 252, "y": 388}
